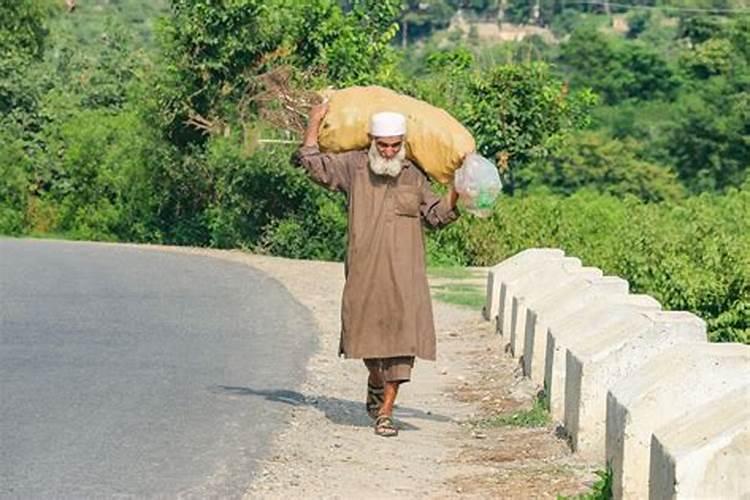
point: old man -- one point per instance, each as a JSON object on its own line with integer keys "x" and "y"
{"x": 386, "y": 313}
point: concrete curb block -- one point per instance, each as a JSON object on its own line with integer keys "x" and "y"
{"x": 598, "y": 362}
{"x": 572, "y": 299}
{"x": 704, "y": 455}
{"x": 538, "y": 286}
{"x": 522, "y": 278}
{"x": 660, "y": 394}
{"x": 496, "y": 274}
{"x": 638, "y": 389}
{"x": 600, "y": 317}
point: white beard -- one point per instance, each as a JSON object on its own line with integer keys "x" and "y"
{"x": 384, "y": 166}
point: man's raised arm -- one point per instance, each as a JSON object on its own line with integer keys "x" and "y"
{"x": 330, "y": 170}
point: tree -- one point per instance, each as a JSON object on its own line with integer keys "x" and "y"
{"x": 709, "y": 141}
{"x": 519, "y": 114}
{"x": 23, "y": 28}
{"x": 617, "y": 70}
{"x": 211, "y": 52}
{"x": 23, "y": 33}
{"x": 592, "y": 160}
{"x": 350, "y": 47}
{"x": 698, "y": 29}
{"x": 215, "y": 52}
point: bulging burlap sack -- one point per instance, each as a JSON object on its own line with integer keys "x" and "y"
{"x": 435, "y": 140}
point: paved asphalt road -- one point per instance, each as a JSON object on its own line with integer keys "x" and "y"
{"x": 131, "y": 372}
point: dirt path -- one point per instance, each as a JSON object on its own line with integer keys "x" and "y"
{"x": 328, "y": 449}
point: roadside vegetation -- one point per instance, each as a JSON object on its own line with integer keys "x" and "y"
{"x": 536, "y": 416}
{"x": 621, "y": 133}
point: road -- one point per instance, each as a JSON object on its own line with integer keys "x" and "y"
{"x": 132, "y": 372}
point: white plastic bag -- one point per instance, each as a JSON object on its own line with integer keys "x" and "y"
{"x": 477, "y": 184}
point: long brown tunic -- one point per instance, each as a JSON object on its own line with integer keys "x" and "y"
{"x": 386, "y": 309}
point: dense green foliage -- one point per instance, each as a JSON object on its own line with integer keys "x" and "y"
{"x": 139, "y": 121}
{"x": 693, "y": 255}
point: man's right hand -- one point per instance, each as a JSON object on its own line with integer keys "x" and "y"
{"x": 316, "y": 115}
{"x": 318, "y": 112}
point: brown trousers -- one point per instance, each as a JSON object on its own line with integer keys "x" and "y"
{"x": 394, "y": 369}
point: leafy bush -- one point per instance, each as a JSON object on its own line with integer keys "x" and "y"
{"x": 691, "y": 255}
{"x": 14, "y": 185}
{"x": 101, "y": 182}
{"x": 265, "y": 203}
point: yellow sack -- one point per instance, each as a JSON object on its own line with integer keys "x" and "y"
{"x": 435, "y": 140}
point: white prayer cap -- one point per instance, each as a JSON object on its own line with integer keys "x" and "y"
{"x": 387, "y": 124}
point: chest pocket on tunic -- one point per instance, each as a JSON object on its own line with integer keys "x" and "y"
{"x": 407, "y": 201}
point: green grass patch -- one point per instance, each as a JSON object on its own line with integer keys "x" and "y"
{"x": 601, "y": 489}
{"x": 450, "y": 272}
{"x": 536, "y": 416}
{"x": 472, "y": 300}
{"x": 458, "y": 288}
{"x": 472, "y": 296}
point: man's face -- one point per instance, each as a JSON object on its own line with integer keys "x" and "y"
{"x": 389, "y": 147}
{"x": 386, "y": 155}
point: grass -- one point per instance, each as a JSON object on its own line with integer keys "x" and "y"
{"x": 461, "y": 295}
{"x": 536, "y": 416}
{"x": 472, "y": 300}
{"x": 600, "y": 490}
{"x": 450, "y": 272}
{"x": 458, "y": 288}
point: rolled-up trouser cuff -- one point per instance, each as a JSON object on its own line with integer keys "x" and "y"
{"x": 396, "y": 369}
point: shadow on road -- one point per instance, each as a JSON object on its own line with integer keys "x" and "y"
{"x": 338, "y": 411}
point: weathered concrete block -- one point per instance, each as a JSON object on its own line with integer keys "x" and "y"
{"x": 704, "y": 454}
{"x": 541, "y": 284}
{"x": 611, "y": 311}
{"x": 658, "y": 394}
{"x": 596, "y": 363}
{"x": 523, "y": 278}
{"x": 574, "y": 298}
{"x": 494, "y": 278}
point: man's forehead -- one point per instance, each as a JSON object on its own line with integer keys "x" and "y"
{"x": 390, "y": 139}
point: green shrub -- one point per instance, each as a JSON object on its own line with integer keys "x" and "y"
{"x": 14, "y": 185}
{"x": 693, "y": 255}
{"x": 100, "y": 175}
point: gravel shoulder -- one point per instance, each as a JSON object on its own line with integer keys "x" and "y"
{"x": 328, "y": 450}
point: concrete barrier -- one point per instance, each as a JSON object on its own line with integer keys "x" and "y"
{"x": 705, "y": 454}
{"x": 534, "y": 287}
{"x": 524, "y": 276}
{"x": 508, "y": 266}
{"x": 660, "y": 394}
{"x": 639, "y": 387}
{"x": 574, "y": 298}
{"x": 597, "y": 362}
{"x": 598, "y": 319}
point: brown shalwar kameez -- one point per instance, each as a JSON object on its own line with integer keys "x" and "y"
{"x": 396, "y": 369}
{"x": 386, "y": 309}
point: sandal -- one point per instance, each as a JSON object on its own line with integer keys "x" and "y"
{"x": 385, "y": 427}
{"x": 374, "y": 400}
